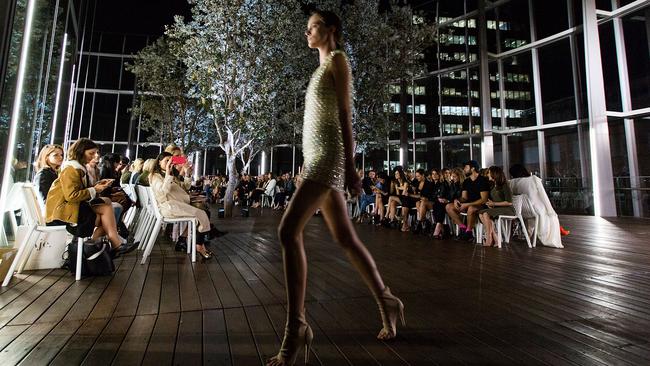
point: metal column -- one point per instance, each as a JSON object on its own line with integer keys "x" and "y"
{"x": 626, "y": 100}
{"x": 487, "y": 147}
{"x": 537, "y": 91}
{"x": 601, "y": 159}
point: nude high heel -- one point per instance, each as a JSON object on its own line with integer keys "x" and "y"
{"x": 295, "y": 340}
{"x": 390, "y": 308}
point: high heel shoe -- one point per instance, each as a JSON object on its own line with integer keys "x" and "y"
{"x": 294, "y": 341}
{"x": 390, "y": 307}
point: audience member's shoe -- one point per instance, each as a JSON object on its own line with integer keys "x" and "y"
{"x": 181, "y": 245}
{"x": 122, "y": 230}
{"x": 126, "y": 248}
{"x": 468, "y": 236}
{"x": 563, "y": 231}
{"x": 418, "y": 227}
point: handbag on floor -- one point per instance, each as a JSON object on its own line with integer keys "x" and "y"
{"x": 96, "y": 258}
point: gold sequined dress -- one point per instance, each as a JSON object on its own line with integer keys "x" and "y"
{"x": 322, "y": 137}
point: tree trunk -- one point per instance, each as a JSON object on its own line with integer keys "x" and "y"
{"x": 228, "y": 201}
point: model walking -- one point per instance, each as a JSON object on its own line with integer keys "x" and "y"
{"x": 328, "y": 168}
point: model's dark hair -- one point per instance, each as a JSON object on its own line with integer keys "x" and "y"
{"x": 421, "y": 172}
{"x": 330, "y": 19}
{"x": 497, "y": 175}
{"x": 437, "y": 172}
{"x": 402, "y": 175}
{"x": 77, "y": 150}
{"x": 518, "y": 171}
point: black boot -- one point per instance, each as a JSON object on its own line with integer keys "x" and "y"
{"x": 418, "y": 227}
{"x": 181, "y": 244}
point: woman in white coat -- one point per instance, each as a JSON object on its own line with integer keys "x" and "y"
{"x": 174, "y": 201}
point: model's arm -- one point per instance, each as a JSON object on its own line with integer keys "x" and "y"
{"x": 343, "y": 86}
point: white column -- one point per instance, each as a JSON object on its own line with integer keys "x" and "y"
{"x": 601, "y": 160}
{"x": 487, "y": 145}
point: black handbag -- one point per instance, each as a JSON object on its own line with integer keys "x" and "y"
{"x": 96, "y": 258}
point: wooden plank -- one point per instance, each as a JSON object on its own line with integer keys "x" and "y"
{"x": 189, "y": 343}
{"x": 75, "y": 350}
{"x": 216, "y": 349}
{"x": 170, "y": 301}
{"x": 43, "y": 302}
{"x": 130, "y": 298}
{"x": 135, "y": 343}
{"x": 243, "y": 349}
{"x": 160, "y": 350}
{"x": 109, "y": 341}
{"x": 190, "y": 300}
{"x": 25, "y": 299}
{"x": 150, "y": 299}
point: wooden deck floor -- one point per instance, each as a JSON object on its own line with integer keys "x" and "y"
{"x": 587, "y": 304}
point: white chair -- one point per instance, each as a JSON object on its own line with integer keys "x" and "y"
{"x": 34, "y": 218}
{"x": 146, "y": 219}
{"x": 129, "y": 216}
{"x": 160, "y": 220}
{"x": 504, "y": 222}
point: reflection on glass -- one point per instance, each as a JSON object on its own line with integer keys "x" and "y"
{"x": 456, "y": 152}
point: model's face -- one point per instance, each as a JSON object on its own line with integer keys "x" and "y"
{"x": 397, "y": 175}
{"x": 317, "y": 33}
{"x": 372, "y": 175}
{"x": 454, "y": 178}
{"x": 419, "y": 177}
{"x": 55, "y": 158}
{"x": 435, "y": 176}
{"x": 489, "y": 175}
{"x": 91, "y": 155}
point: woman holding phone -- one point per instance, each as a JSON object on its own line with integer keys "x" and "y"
{"x": 72, "y": 202}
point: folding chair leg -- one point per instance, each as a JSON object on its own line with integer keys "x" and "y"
{"x": 80, "y": 252}
{"x": 500, "y": 224}
{"x": 17, "y": 258}
{"x": 151, "y": 241}
{"x": 523, "y": 227}
{"x": 535, "y": 231}
{"x": 194, "y": 232}
{"x": 28, "y": 249}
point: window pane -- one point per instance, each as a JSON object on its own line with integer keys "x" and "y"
{"x": 638, "y": 60}
{"x": 108, "y": 76}
{"x": 556, "y": 78}
{"x": 520, "y": 96}
{"x": 456, "y": 152}
{"x": 550, "y": 17}
{"x": 569, "y": 193}
{"x": 104, "y": 117}
{"x": 523, "y": 149}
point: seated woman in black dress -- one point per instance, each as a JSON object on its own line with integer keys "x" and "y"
{"x": 398, "y": 187}
{"x": 412, "y": 197}
{"x": 499, "y": 203}
{"x": 49, "y": 161}
{"x": 435, "y": 198}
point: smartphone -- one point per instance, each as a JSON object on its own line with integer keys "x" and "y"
{"x": 179, "y": 160}
{"x": 105, "y": 181}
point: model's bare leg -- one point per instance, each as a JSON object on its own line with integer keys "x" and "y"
{"x": 454, "y": 214}
{"x": 472, "y": 213}
{"x": 304, "y": 203}
{"x": 334, "y": 213}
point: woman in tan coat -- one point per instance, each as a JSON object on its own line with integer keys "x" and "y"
{"x": 72, "y": 202}
{"x": 173, "y": 201}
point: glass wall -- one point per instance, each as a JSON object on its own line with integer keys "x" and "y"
{"x": 39, "y": 55}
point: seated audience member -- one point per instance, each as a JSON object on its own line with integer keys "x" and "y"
{"x": 398, "y": 188}
{"x": 72, "y": 202}
{"x": 412, "y": 197}
{"x": 367, "y": 194}
{"x": 147, "y": 168}
{"x": 549, "y": 229}
{"x": 174, "y": 201}
{"x": 446, "y": 175}
{"x": 382, "y": 193}
{"x": 136, "y": 171}
{"x": 270, "y": 185}
{"x": 244, "y": 189}
{"x": 499, "y": 203}
{"x": 279, "y": 191}
{"x": 111, "y": 167}
{"x": 47, "y": 166}
{"x": 475, "y": 192}
{"x": 434, "y": 197}
{"x": 457, "y": 177}
{"x": 127, "y": 170}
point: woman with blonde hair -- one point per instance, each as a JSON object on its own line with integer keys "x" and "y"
{"x": 47, "y": 165}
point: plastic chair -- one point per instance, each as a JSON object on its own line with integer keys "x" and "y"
{"x": 504, "y": 222}
{"x": 35, "y": 219}
{"x": 160, "y": 220}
